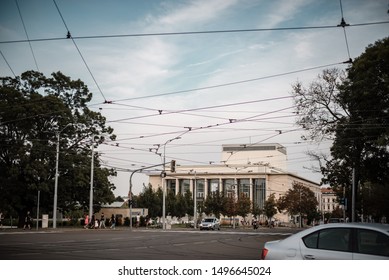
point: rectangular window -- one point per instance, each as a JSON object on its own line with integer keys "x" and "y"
{"x": 229, "y": 187}
{"x": 171, "y": 185}
{"x": 213, "y": 186}
{"x": 200, "y": 188}
{"x": 244, "y": 187}
{"x": 259, "y": 192}
{"x": 184, "y": 185}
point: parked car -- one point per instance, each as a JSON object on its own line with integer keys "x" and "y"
{"x": 209, "y": 224}
{"x": 337, "y": 241}
{"x": 334, "y": 220}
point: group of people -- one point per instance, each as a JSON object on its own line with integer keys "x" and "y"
{"x": 94, "y": 223}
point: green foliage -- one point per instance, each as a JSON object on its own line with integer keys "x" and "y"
{"x": 243, "y": 205}
{"x": 214, "y": 204}
{"x": 299, "y": 200}
{"x": 352, "y": 109}
{"x": 33, "y": 110}
{"x": 270, "y": 206}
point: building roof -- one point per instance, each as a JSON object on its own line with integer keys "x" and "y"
{"x": 115, "y": 204}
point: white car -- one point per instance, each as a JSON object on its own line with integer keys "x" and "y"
{"x": 210, "y": 223}
{"x": 338, "y": 241}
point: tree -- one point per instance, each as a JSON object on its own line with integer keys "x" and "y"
{"x": 299, "y": 200}
{"x": 352, "y": 109}
{"x": 256, "y": 210}
{"x": 188, "y": 196}
{"x": 214, "y": 204}
{"x": 229, "y": 208}
{"x": 243, "y": 206}
{"x": 269, "y": 207}
{"x": 148, "y": 198}
{"x": 33, "y": 110}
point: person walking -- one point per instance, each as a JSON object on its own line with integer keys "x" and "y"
{"x": 27, "y": 221}
{"x": 113, "y": 221}
{"x": 102, "y": 220}
{"x": 86, "y": 221}
{"x": 1, "y": 219}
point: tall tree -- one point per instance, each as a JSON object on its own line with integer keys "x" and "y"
{"x": 34, "y": 109}
{"x": 352, "y": 109}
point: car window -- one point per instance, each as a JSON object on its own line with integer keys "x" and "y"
{"x": 336, "y": 239}
{"x": 311, "y": 240}
{"x": 372, "y": 242}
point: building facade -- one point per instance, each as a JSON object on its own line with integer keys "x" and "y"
{"x": 257, "y": 171}
{"x": 329, "y": 200}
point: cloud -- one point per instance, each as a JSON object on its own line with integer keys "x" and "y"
{"x": 194, "y": 12}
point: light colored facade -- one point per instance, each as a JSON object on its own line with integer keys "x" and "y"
{"x": 329, "y": 201}
{"x": 244, "y": 170}
{"x": 121, "y": 209}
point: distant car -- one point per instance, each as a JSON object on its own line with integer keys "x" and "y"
{"x": 334, "y": 220}
{"x": 209, "y": 224}
{"x": 337, "y": 241}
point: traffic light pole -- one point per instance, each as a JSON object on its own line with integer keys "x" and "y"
{"x": 130, "y": 182}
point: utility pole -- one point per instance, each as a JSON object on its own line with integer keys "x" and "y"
{"x": 130, "y": 189}
{"x": 91, "y": 181}
{"x": 195, "y": 201}
{"x": 56, "y": 178}
{"x": 353, "y": 197}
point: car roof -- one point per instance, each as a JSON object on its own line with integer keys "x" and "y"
{"x": 384, "y": 228}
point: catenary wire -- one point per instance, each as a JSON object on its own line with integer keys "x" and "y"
{"x": 28, "y": 38}
{"x": 192, "y": 32}
{"x": 69, "y": 36}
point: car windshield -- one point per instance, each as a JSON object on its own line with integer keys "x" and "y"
{"x": 208, "y": 220}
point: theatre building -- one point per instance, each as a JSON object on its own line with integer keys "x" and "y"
{"x": 256, "y": 170}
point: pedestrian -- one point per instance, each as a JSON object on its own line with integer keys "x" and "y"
{"x": 86, "y": 222}
{"x": 27, "y": 221}
{"x": 1, "y": 219}
{"x": 96, "y": 223}
{"x": 102, "y": 220}
{"x": 113, "y": 221}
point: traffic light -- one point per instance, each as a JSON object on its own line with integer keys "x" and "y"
{"x": 173, "y": 166}
{"x": 343, "y": 201}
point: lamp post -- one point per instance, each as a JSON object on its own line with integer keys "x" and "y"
{"x": 195, "y": 201}
{"x": 56, "y": 178}
{"x": 91, "y": 181}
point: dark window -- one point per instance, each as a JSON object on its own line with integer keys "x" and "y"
{"x": 372, "y": 242}
{"x": 335, "y": 239}
{"x": 311, "y": 240}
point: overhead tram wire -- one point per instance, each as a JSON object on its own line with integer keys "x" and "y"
{"x": 230, "y": 84}
{"x": 6, "y": 61}
{"x": 191, "y": 32}
{"x": 69, "y": 36}
{"x": 28, "y": 38}
{"x": 343, "y": 24}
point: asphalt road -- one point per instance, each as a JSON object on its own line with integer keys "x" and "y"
{"x": 147, "y": 244}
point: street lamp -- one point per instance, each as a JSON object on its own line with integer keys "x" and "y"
{"x": 91, "y": 180}
{"x": 56, "y": 178}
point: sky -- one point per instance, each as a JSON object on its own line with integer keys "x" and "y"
{"x": 170, "y": 84}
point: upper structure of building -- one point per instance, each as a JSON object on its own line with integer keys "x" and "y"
{"x": 272, "y": 155}
{"x": 256, "y": 171}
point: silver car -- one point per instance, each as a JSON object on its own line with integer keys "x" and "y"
{"x": 339, "y": 241}
{"x": 210, "y": 223}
